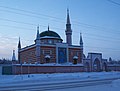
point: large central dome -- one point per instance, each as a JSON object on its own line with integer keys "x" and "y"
{"x": 49, "y": 34}
{"x": 50, "y": 37}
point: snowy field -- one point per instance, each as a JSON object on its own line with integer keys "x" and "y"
{"x": 114, "y": 86}
{"x": 8, "y": 82}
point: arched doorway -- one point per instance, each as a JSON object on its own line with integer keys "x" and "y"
{"x": 104, "y": 66}
{"x": 87, "y": 67}
{"x": 96, "y": 65}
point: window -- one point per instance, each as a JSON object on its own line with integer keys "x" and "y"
{"x": 50, "y": 41}
{"x": 77, "y": 53}
{"x": 50, "y": 51}
{"x": 42, "y": 52}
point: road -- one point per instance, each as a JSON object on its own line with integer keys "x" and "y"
{"x": 55, "y": 85}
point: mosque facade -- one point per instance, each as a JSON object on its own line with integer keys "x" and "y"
{"x": 49, "y": 54}
{"x": 49, "y": 48}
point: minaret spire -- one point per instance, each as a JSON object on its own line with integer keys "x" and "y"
{"x": 48, "y": 27}
{"x": 37, "y": 43}
{"x": 81, "y": 41}
{"x": 19, "y": 44}
{"x": 68, "y": 18}
{"x": 68, "y": 30}
{"x": 13, "y": 56}
{"x": 81, "y": 48}
{"x": 38, "y": 36}
{"x": 19, "y": 48}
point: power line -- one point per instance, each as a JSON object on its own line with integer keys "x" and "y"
{"x": 21, "y": 22}
{"x": 105, "y": 48}
{"x": 60, "y": 20}
{"x": 38, "y": 14}
{"x": 77, "y": 23}
{"x": 16, "y": 27}
{"x": 62, "y": 29}
{"x": 22, "y": 14}
{"x": 111, "y": 1}
{"x": 99, "y": 37}
{"x": 31, "y": 12}
{"x": 12, "y": 38}
{"x": 94, "y": 38}
{"x": 95, "y": 47}
{"x": 34, "y": 14}
{"x": 17, "y": 21}
{"x": 46, "y": 26}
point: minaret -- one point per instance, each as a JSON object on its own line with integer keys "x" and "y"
{"x": 81, "y": 48}
{"x": 48, "y": 28}
{"x": 19, "y": 44}
{"x": 68, "y": 30}
{"x": 81, "y": 41}
{"x": 38, "y": 35}
{"x": 13, "y": 56}
{"x": 37, "y": 42}
{"x": 19, "y": 48}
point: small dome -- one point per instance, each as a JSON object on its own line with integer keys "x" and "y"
{"x": 50, "y": 34}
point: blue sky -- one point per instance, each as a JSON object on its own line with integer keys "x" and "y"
{"x": 98, "y": 20}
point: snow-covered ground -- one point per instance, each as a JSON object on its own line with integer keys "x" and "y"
{"x": 10, "y": 80}
{"x": 114, "y": 86}
{"x": 58, "y": 76}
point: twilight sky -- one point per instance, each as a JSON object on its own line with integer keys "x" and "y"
{"x": 98, "y": 20}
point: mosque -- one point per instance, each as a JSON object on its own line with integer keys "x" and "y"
{"x": 49, "y": 48}
{"x": 49, "y": 54}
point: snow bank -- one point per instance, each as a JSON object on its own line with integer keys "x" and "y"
{"x": 58, "y": 76}
{"x": 116, "y": 83}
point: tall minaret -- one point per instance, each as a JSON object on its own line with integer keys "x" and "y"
{"x": 68, "y": 30}
{"x": 81, "y": 41}
{"x": 19, "y": 48}
{"x": 48, "y": 28}
{"x": 81, "y": 48}
{"x": 13, "y": 56}
{"x": 19, "y": 44}
{"x": 37, "y": 42}
{"x": 38, "y": 35}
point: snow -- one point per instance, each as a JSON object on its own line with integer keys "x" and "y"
{"x": 116, "y": 83}
{"x": 115, "y": 86}
{"x": 7, "y": 80}
{"x": 59, "y": 76}
{"x": 93, "y": 88}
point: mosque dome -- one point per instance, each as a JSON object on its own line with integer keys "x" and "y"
{"x": 49, "y": 34}
{"x": 50, "y": 37}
